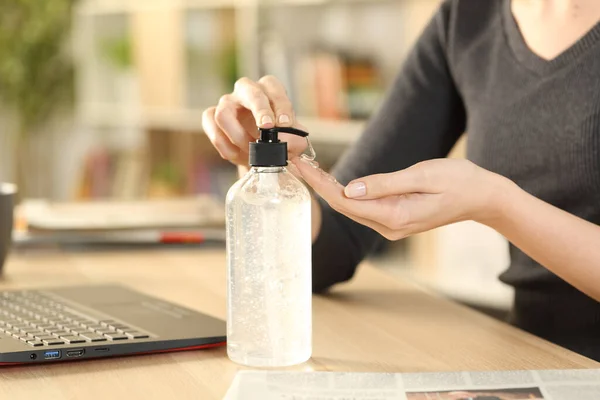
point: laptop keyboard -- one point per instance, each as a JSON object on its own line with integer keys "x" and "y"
{"x": 40, "y": 320}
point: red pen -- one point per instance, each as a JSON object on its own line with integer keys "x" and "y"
{"x": 181, "y": 237}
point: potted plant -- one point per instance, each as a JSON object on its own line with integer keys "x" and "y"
{"x": 36, "y": 70}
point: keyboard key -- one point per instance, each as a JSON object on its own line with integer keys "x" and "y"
{"x": 25, "y": 338}
{"x": 44, "y": 337}
{"x": 80, "y": 331}
{"x": 53, "y": 341}
{"x": 94, "y": 327}
{"x": 35, "y": 343}
{"x": 58, "y": 332}
{"x": 63, "y": 324}
{"x": 73, "y": 339}
{"x": 35, "y": 333}
{"x": 93, "y": 337}
{"x": 116, "y": 336}
{"x": 105, "y": 330}
{"x": 107, "y": 322}
{"x": 137, "y": 335}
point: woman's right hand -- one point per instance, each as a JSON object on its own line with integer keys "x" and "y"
{"x": 234, "y": 122}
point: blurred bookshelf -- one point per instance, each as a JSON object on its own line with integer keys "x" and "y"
{"x": 148, "y": 68}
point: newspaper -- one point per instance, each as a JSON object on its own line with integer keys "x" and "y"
{"x": 494, "y": 385}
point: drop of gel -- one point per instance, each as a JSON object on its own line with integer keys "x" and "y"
{"x": 329, "y": 177}
{"x": 309, "y": 155}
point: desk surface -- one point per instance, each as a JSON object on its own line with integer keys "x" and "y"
{"x": 375, "y": 323}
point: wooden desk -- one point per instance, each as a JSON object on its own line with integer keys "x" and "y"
{"x": 375, "y": 323}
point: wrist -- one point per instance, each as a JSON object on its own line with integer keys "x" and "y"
{"x": 500, "y": 195}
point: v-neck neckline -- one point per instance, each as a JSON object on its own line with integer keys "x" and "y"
{"x": 534, "y": 62}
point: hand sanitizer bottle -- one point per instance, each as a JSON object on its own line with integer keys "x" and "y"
{"x": 269, "y": 316}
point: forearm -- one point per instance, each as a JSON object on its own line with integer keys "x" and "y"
{"x": 565, "y": 244}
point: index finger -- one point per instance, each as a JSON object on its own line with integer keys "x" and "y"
{"x": 410, "y": 180}
{"x": 332, "y": 192}
{"x": 252, "y": 97}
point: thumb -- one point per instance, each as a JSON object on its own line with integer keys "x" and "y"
{"x": 410, "y": 180}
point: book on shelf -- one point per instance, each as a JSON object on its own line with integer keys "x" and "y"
{"x": 109, "y": 173}
{"x": 183, "y": 163}
{"x": 335, "y": 85}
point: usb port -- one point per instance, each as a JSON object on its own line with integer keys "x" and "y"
{"x": 75, "y": 353}
{"x": 51, "y": 354}
{"x": 101, "y": 349}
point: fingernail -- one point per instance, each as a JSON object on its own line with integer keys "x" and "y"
{"x": 284, "y": 119}
{"x": 266, "y": 119}
{"x": 355, "y": 189}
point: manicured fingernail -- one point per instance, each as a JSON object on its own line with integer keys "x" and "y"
{"x": 355, "y": 189}
{"x": 284, "y": 119}
{"x": 266, "y": 119}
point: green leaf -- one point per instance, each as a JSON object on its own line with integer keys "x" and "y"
{"x": 36, "y": 70}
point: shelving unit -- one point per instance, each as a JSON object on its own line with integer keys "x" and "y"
{"x": 162, "y": 100}
{"x": 155, "y": 65}
{"x": 340, "y": 132}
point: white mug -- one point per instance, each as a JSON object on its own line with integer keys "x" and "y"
{"x": 7, "y": 203}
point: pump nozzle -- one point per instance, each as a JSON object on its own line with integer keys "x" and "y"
{"x": 271, "y": 134}
{"x": 268, "y": 150}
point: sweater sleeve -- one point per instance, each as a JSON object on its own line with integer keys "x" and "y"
{"x": 421, "y": 118}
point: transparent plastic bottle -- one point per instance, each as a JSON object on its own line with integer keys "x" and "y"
{"x": 269, "y": 321}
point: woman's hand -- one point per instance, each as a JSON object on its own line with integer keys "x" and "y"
{"x": 425, "y": 196}
{"x": 233, "y": 123}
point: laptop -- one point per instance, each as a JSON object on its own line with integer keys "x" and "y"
{"x": 84, "y": 322}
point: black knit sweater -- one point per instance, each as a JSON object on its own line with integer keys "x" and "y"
{"x": 534, "y": 121}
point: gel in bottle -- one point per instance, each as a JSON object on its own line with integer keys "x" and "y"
{"x": 269, "y": 316}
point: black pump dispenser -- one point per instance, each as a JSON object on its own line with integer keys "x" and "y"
{"x": 268, "y": 150}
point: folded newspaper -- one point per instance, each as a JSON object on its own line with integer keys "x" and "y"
{"x": 494, "y": 385}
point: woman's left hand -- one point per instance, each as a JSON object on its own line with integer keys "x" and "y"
{"x": 425, "y": 196}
